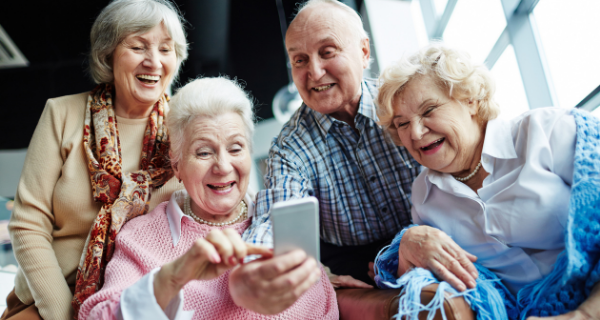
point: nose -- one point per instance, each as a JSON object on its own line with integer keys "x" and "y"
{"x": 315, "y": 69}
{"x": 223, "y": 165}
{"x": 417, "y": 130}
{"x": 152, "y": 59}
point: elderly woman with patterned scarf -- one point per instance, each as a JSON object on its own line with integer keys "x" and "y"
{"x": 96, "y": 160}
{"x": 184, "y": 259}
{"x": 520, "y": 195}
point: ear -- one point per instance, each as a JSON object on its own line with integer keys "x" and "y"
{"x": 473, "y": 106}
{"x": 365, "y": 49}
{"x": 175, "y": 166}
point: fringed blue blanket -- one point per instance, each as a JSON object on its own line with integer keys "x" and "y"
{"x": 575, "y": 272}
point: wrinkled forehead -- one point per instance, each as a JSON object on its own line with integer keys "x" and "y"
{"x": 317, "y": 24}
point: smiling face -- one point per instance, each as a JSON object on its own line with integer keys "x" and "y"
{"x": 327, "y": 61}
{"x": 143, "y": 66}
{"x": 215, "y": 165}
{"x": 441, "y": 133}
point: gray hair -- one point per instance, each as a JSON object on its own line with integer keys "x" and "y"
{"x": 453, "y": 72}
{"x": 355, "y": 21}
{"x": 207, "y": 97}
{"x": 122, "y": 18}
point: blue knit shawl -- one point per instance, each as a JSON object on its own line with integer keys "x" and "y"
{"x": 576, "y": 271}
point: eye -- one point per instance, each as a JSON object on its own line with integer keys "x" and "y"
{"x": 299, "y": 61}
{"x": 328, "y": 52}
{"x": 400, "y": 124}
{"x": 236, "y": 148}
{"x": 429, "y": 110}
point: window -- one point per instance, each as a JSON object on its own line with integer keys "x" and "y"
{"x": 474, "y": 26}
{"x": 510, "y": 92}
{"x": 570, "y": 37}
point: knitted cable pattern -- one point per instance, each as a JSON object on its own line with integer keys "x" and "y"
{"x": 576, "y": 271}
{"x": 145, "y": 243}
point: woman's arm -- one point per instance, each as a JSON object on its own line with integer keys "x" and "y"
{"x": 588, "y": 310}
{"x": 32, "y": 220}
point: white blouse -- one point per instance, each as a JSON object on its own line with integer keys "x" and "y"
{"x": 515, "y": 223}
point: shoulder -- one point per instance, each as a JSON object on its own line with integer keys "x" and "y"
{"x": 420, "y": 188}
{"x": 66, "y": 107}
{"x": 545, "y": 118}
{"x": 68, "y": 103}
{"x": 301, "y": 133}
{"x": 141, "y": 225}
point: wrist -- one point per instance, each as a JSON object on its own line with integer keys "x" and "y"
{"x": 165, "y": 287}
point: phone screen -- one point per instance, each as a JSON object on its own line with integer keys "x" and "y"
{"x": 296, "y": 226}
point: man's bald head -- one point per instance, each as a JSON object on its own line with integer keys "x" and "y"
{"x": 342, "y": 12}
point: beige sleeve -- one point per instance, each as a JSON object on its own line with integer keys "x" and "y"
{"x": 32, "y": 220}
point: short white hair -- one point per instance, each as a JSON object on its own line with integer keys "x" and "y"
{"x": 207, "y": 97}
{"x": 122, "y": 18}
{"x": 355, "y": 20}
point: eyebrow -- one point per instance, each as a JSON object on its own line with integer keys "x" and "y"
{"x": 324, "y": 40}
{"x": 419, "y": 108}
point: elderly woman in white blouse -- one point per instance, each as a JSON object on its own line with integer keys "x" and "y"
{"x": 499, "y": 190}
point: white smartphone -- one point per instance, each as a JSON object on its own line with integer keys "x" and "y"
{"x": 296, "y": 226}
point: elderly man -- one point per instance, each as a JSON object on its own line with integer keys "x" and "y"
{"x": 333, "y": 148}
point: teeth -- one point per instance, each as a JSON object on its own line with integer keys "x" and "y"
{"x": 148, "y": 77}
{"x": 323, "y": 88}
{"x": 220, "y": 187}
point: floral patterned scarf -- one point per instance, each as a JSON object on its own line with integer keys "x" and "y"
{"x": 124, "y": 195}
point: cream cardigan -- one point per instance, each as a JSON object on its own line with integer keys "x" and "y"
{"x": 54, "y": 209}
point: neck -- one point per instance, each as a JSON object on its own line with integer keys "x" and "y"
{"x": 348, "y": 112}
{"x": 130, "y": 109}
{"x": 212, "y": 217}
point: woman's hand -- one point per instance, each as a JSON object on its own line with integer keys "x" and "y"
{"x": 432, "y": 249}
{"x": 269, "y": 286}
{"x": 207, "y": 259}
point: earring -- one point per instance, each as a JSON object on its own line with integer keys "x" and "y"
{"x": 179, "y": 180}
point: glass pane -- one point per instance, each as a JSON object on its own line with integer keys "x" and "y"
{"x": 440, "y": 6}
{"x": 474, "y": 26}
{"x": 570, "y": 37}
{"x": 510, "y": 92}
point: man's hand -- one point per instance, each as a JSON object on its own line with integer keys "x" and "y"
{"x": 206, "y": 259}
{"x": 432, "y": 249}
{"x": 269, "y": 286}
{"x": 588, "y": 310}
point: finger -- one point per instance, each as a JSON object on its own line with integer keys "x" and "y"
{"x": 281, "y": 264}
{"x": 464, "y": 258}
{"x": 239, "y": 247}
{"x": 221, "y": 242}
{"x": 442, "y": 272}
{"x": 261, "y": 250}
{"x": 289, "y": 281}
{"x": 456, "y": 268}
{"x": 350, "y": 282}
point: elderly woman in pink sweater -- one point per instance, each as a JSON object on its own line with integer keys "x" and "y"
{"x": 184, "y": 260}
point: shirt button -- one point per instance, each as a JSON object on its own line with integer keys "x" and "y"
{"x": 384, "y": 209}
{"x": 486, "y": 160}
{"x": 372, "y": 179}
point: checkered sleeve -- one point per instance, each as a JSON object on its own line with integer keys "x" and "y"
{"x": 286, "y": 179}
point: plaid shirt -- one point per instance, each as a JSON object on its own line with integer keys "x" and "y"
{"x": 362, "y": 180}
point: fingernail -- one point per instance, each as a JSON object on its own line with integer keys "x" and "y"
{"x": 232, "y": 260}
{"x": 461, "y": 287}
{"x": 472, "y": 284}
{"x": 474, "y": 274}
{"x": 215, "y": 258}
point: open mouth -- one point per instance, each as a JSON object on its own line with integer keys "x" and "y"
{"x": 221, "y": 187}
{"x": 148, "y": 79}
{"x": 433, "y": 145}
{"x": 323, "y": 88}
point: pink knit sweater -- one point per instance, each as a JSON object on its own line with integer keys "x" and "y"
{"x": 145, "y": 243}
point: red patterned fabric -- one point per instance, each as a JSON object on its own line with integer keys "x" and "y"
{"x": 124, "y": 195}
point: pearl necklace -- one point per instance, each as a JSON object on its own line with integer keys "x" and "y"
{"x": 187, "y": 209}
{"x": 470, "y": 175}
